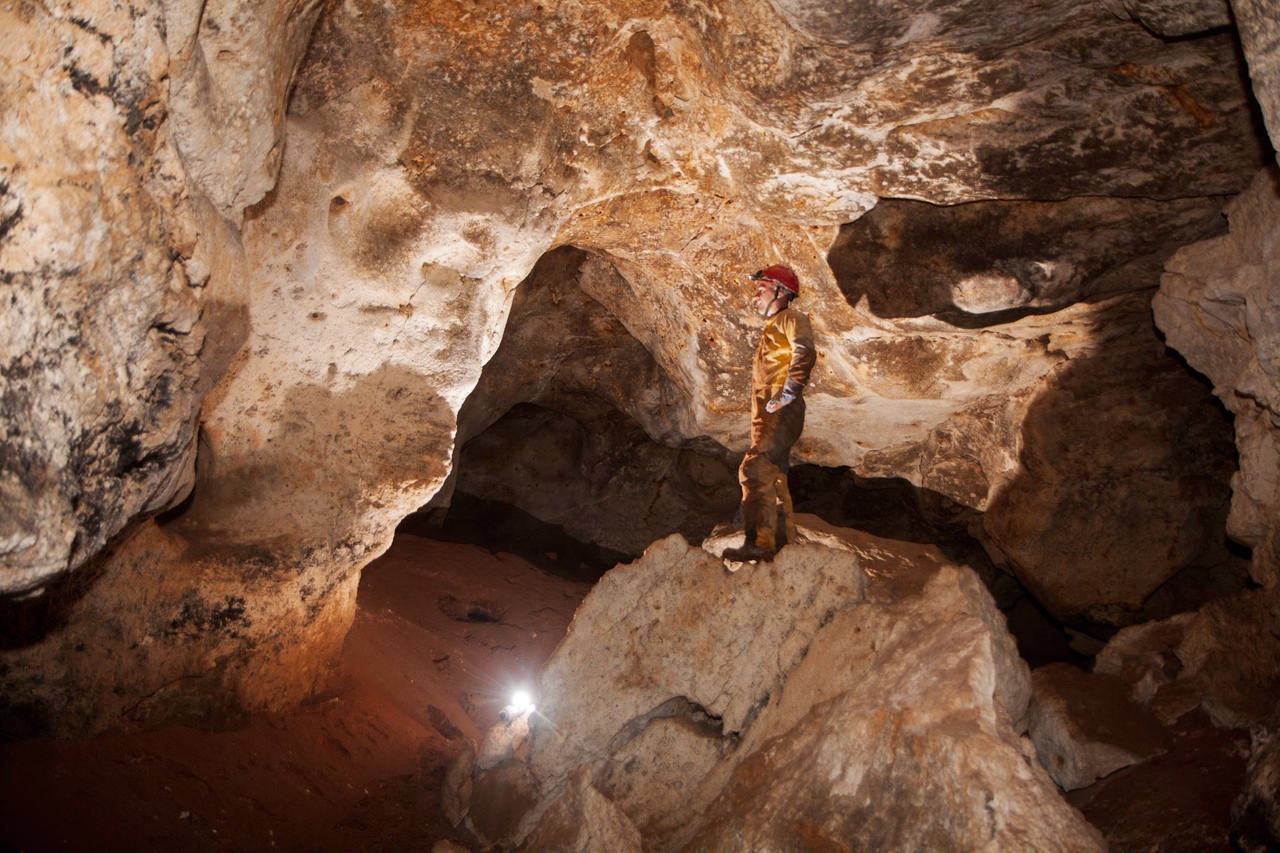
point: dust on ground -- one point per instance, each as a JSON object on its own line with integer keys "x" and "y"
{"x": 443, "y": 633}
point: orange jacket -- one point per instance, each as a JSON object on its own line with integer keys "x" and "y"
{"x": 785, "y": 351}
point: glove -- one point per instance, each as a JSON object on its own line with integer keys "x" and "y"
{"x": 790, "y": 390}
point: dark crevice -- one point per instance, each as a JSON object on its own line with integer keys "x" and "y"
{"x": 497, "y": 526}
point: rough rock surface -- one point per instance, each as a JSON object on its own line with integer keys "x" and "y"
{"x": 581, "y": 456}
{"x": 1260, "y": 35}
{"x": 1085, "y": 726}
{"x": 116, "y": 260}
{"x": 1123, "y": 483}
{"x": 789, "y": 704}
{"x": 323, "y": 288}
{"x": 1255, "y": 815}
{"x": 1224, "y": 659}
{"x": 1219, "y": 306}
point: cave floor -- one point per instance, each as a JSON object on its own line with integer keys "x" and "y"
{"x": 443, "y": 633}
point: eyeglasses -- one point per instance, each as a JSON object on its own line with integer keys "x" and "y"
{"x": 759, "y": 275}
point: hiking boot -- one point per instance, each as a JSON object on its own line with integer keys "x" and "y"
{"x": 748, "y": 554}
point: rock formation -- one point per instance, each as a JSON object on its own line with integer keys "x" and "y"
{"x": 841, "y": 695}
{"x": 1256, "y": 814}
{"x": 1224, "y": 659}
{"x": 256, "y": 258}
{"x": 1219, "y": 306}
{"x": 1085, "y": 726}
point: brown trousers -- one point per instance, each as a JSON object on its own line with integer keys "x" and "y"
{"x": 766, "y": 499}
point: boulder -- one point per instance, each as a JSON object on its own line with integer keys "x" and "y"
{"x": 1086, "y": 726}
{"x": 1225, "y": 659}
{"x": 583, "y": 821}
{"x": 866, "y": 694}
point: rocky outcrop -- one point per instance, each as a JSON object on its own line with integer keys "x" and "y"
{"x": 1123, "y": 482}
{"x": 323, "y": 288}
{"x": 1085, "y": 726}
{"x": 1218, "y": 306}
{"x": 117, "y": 260}
{"x": 1255, "y": 814}
{"x": 1260, "y": 34}
{"x": 1174, "y": 17}
{"x": 838, "y": 696}
{"x": 1224, "y": 659}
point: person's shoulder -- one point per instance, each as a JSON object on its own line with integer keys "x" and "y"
{"x": 795, "y": 318}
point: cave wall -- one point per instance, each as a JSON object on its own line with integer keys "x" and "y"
{"x": 320, "y": 288}
{"x": 1218, "y": 305}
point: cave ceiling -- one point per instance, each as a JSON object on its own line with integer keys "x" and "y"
{"x": 1035, "y": 174}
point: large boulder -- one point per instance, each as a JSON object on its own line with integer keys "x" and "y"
{"x": 1224, "y": 659}
{"x": 1086, "y": 726}
{"x": 866, "y": 694}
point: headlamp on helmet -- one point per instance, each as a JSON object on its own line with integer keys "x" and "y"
{"x": 780, "y": 275}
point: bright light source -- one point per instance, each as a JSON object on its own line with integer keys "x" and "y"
{"x": 521, "y": 701}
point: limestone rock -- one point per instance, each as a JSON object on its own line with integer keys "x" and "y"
{"x": 439, "y": 202}
{"x": 989, "y": 262}
{"x": 1260, "y": 33}
{"x": 680, "y": 626}
{"x": 1224, "y": 659}
{"x": 116, "y": 262}
{"x": 793, "y": 701}
{"x": 430, "y": 156}
{"x": 233, "y": 67}
{"x": 1218, "y": 306}
{"x": 173, "y": 632}
{"x": 1085, "y": 726}
{"x": 1255, "y": 814}
{"x": 1125, "y": 461}
{"x": 1174, "y": 17}
{"x": 101, "y": 334}
{"x": 906, "y": 760}
{"x": 583, "y": 821}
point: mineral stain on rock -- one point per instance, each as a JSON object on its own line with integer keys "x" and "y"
{"x": 277, "y": 275}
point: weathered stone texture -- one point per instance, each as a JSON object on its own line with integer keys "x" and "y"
{"x": 784, "y": 707}
{"x": 1225, "y": 659}
{"x": 1174, "y": 17}
{"x": 166, "y": 631}
{"x": 1255, "y": 815}
{"x": 99, "y": 344}
{"x": 1125, "y": 460}
{"x": 322, "y": 289}
{"x": 233, "y": 66}
{"x": 1085, "y": 726}
{"x": 111, "y": 253}
{"x": 1259, "y": 28}
{"x": 1218, "y": 305}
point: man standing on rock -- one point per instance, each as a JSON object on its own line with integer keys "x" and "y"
{"x": 780, "y": 372}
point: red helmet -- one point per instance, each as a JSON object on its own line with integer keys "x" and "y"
{"x": 779, "y": 274}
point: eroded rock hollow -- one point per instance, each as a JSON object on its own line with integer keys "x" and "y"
{"x": 276, "y": 276}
